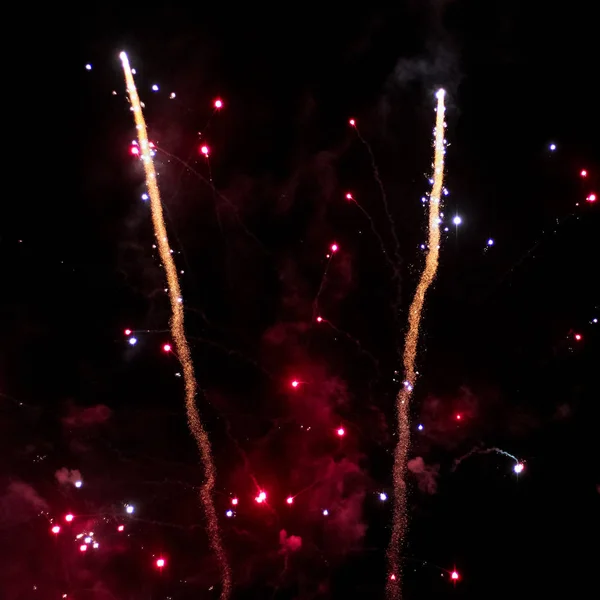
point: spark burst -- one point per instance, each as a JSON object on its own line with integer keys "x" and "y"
{"x": 400, "y": 518}
{"x": 178, "y": 333}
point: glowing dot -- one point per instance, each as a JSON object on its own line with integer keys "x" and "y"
{"x": 234, "y": 501}
{"x": 383, "y": 496}
{"x": 392, "y": 577}
{"x": 334, "y": 247}
{"x": 295, "y": 383}
{"x": 325, "y": 513}
{"x": 578, "y": 337}
{"x": 341, "y": 431}
{"x": 518, "y": 468}
{"x": 144, "y": 196}
{"x": 55, "y": 529}
{"x": 490, "y": 242}
{"x": 132, "y": 341}
{"x": 455, "y": 576}
{"x": 88, "y": 540}
{"x": 552, "y": 147}
{"x": 95, "y": 545}
{"x": 229, "y": 513}
{"x": 319, "y": 319}
{"x": 440, "y": 94}
{"x": 458, "y": 417}
{"x": 121, "y": 528}
{"x": 78, "y": 484}
{"x": 262, "y": 496}
{"x": 349, "y": 196}
{"x": 420, "y": 427}
{"x": 167, "y": 348}
{"x": 290, "y": 500}
{"x": 129, "y": 509}
{"x": 88, "y": 67}
{"x": 204, "y": 150}
{"x": 218, "y": 103}
{"x": 160, "y": 563}
{"x": 591, "y": 198}
{"x": 83, "y": 548}
{"x": 172, "y": 95}
{"x": 352, "y": 122}
{"x": 134, "y": 150}
{"x": 457, "y": 220}
{"x": 127, "y": 332}
{"x": 155, "y": 88}
{"x": 583, "y": 173}
{"x": 69, "y": 518}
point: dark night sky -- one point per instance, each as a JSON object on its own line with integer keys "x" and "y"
{"x": 497, "y": 340}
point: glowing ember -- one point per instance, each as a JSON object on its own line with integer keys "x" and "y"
{"x": 83, "y": 548}
{"x": 295, "y": 383}
{"x": 583, "y": 173}
{"x": 160, "y": 563}
{"x": 167, "y": 347}
{"x": 334, "y": 247}
{"x": 341, "y": 431}
{"x": 69, "y": 518}
{"x": 578, "y": 337}
{"x": 127, "y": 332}
{"x": 319, "y": 319}
{"x": 262, "y": 496}
{"x": 455, "y": 576}
{"x": 204, "y": 150}
{"x": 234, "y": 501}
{"x": 352, "y": 122}
{"x": 55, "y": 529}
{"x": 290, "y": 500}
{"x": 518, "y": 468}
{"x": 218, "y": 103}
{"x": 121, "y": 528}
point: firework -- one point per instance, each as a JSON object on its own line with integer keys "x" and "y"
{"x": 178, "y": 332}
{"x": 393, "y": 587}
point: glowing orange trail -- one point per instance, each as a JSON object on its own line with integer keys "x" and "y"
{"x": 400, "y": 518}
{"x": 178, "y": 333}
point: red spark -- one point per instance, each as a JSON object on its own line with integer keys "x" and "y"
{"x": 218, "y": 103}
{"x": 319, "y": 319}
{"x": 352, "y": 122}
{"x": 134, "y": 150}
{"x": 83, "y": 548}
{"x": 341, "y": 431}
{"x": 290, "y": 500}
{"x": 583, "y": 173}
{"x": 151, "y": 145}
{"x": 121, "y": 528}
{"x": 234, "y": 501}
{"x": 392, "y": 577}
{"x": 458, "y": 417}
{"x": 262, "y": 496}
{"x": 349, "y": 196}
{"x": 127, "y": 332}
{"x": 455, "y": 576}
{"x": 205, "y": 150}
{"x": 167, "y": 347}
{"x": 295, "y": 383}
{"x": 578, "y": 337}
{"x": 55, "y": 529}
{"x": 69, "y": 518}
{"x": 591, "y": 198}
{"x": 160, "y": 562}
{"x": 334, "y": 247}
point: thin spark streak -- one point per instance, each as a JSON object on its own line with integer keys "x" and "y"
{"x": 178, "y": 333}
{"x": 483, "y": 451}
{"x": 400, "y": 517}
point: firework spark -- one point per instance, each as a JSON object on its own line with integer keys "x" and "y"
{"x": 393, "y": 587}
{"x": 178, "y": 332}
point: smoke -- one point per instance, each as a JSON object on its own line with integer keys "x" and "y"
{"x": 20, "y": 503}
{"x": 78, "y": 416}
{"x": 426, "y": 474}
{"x": 66, "y": 476}
{"x": 289, "y": 543}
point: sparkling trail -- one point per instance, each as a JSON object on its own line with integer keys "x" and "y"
{"x": 483, "y": 451}
{"x": 178, "y": 333}
{"x": 400, "y": 517}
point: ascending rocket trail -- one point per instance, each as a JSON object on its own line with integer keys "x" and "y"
{"x": 400, "y": 517}
{"x": 178, "y": 333}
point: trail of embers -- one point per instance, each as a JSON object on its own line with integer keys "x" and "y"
{"x": 400, "y": 516}
{"x": 178, "y": 333}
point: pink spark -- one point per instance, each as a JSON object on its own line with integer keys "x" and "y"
{"x": 55, "y": 529}
{"x": 455, "y": 576}
{"x": 290, "y": 500}
{"x": 204, "y": 150}
{"x": 352, "y": 122}
{"x": 518, "y": 468}
{"x": 392, "y": 577}
{"x": 83, "y": 548}
{"x": 591, "y": 198}
{"x": 121, "y": 528}
{"x": 319, "y": 319}
{"x": 218, "y": 103}
{"x": 69, "y": 518}
{"x": 349, "y": 196}
{"x": 341, "y": 431}
{"x": 458, "y": 417}
{"x": 167, "y": 347}
{"x": 578, "y": 337}
{"x": 583, "y": 173}
{"x": 234, "y": 501}
{"x": 127, "y": 332}
{"x": 262, "y": 496}
{"x": 295, "y": 383}
{"x": 160, "y": 563}
{"x": 334, "y": 247}
{"x": 134, "y": 150}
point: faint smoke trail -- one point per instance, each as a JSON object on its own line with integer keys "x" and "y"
{"x": 178, "y": 333}
{"x": 400, "y": 518}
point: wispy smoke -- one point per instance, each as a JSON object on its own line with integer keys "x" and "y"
{"x": 426, "y": 474}
{"x": 66, "y": 476}
{"x": 289, "y": 543}
{"x": 86, "y": 416}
